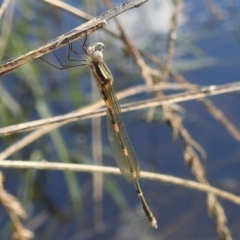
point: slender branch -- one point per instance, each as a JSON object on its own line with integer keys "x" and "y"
{"x": 73, "y": 35}
{"x": 46, "y": 129}
{"x": 3, "y": 7}
{"x": 15, "y": 212}
{"x": 69, "y": 8}
{"x": 213, "y": 110}
{"x": 172, "y": 35}
{"x": 186, "y": 96}
{"x": 44, "y": 165}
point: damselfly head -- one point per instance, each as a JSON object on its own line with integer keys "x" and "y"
{"x": 96, "y": 52}
{"x": 99, "y": 46}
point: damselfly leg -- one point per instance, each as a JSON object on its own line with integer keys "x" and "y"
{"x": 70, "y": 50}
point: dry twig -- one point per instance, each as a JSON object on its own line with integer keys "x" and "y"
{"x": 72, "y": 35}
{"x": 15, "y": 211}
{"x": 44, "y": 165}
{"x": 85, "y": 114}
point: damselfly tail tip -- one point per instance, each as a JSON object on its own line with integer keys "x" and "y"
{"x": 154, "y": 223}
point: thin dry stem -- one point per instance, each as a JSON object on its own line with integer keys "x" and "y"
{"x": 213, "y": 110}
{"x": 66, "y": 7}
{"x": 76, "y": 33}
{"x": 214, "y": 207}
{"x": 191, "y": 158}
{"x": 46, "y": 129}
{"x": 15, "y": 211}
{"x": 172, "y": 35}
{"x": 58, "y": 42}
{"x": 85, "y": 114}
{"x": 3, "y": 7}
{"x": 146, "y": 71}
{"x": 44, "y": 165}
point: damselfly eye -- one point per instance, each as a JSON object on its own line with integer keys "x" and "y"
{"x": 97, "y": 56}
{"x": 90, "y": 50}
{"x": 99, "y": 46}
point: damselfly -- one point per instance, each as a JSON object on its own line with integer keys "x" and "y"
{"x": 120, "y": 143}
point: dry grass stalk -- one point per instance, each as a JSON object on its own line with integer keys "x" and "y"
{"x": 15, "y": 212}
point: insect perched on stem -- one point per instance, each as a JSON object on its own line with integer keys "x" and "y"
{"x": 117, "y": 135}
